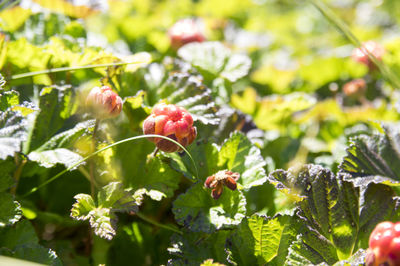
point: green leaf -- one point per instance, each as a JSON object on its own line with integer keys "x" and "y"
{"x": 199, "y": 212}
{"x": 189, "y": 92}
{"x": 7, "y": 167}
{"x": 374, "y": 158}
{"x": 140, "y": 241}
{"x": 259, "y": 240}
{"x": 50, "y": 158}
{"x": 10, "y": 210}
{"x": 67, "y": 138}
{"x": 337, "y": 216}
{"x": 216, "y": 59}
{"x": 56, "y": 105}
{"x": 157, "y": 179}
{"x": 8, "y": 99}
{"x": 357, "y": 259}
{"x": 238, "y": 154}
{"x": 20, "y": 241}
{"x": 193, "y": 248}
{"x": 300, "y": 254}
{"x": 12, "y": 133}
{"x": 102, "y": 217}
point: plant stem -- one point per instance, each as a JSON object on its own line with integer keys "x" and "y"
{"x": 108, "y": 147}
{"x": 66, "y": 69}
{"x": 17, "y": 173}
{"x": 342, "y": 27}
{"x": 92, "y": 180}
{"x": 151, "y": 221}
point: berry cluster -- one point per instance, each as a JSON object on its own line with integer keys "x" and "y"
{"x": 173, "y": 122}
{"x": 384, "y": 245}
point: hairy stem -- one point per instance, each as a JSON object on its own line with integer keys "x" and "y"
{"x": 17, "y": 173}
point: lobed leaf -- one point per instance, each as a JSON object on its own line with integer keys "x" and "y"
{"x": 374, "y": 159}
{"x": 102, "y": 216}
{"x": 337, "y": 216}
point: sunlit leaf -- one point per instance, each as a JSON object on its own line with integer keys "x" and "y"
{"x": 102, "y": 215}
{"x": 258, "y": 240}
{"x": 197, "y": 211}
{"x": 216, "y": 59}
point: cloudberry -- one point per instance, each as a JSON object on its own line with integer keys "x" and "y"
{"x": 360, "y": 54}
{"x": 173, "y": 122}
{"x": 104, "y": 103}
{"x": 355, "y": 88}
{"x": 185, "y": 31}
{"x": 384, "y": 245}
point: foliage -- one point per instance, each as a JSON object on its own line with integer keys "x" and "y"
{"x": 318, "y": 169}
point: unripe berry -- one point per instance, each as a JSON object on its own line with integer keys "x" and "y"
{"x": 173, "y": 122}
{"x": 185, "y": 31}
{"x": 360, "y": 55}
{"x": 104, "y": 103}
{"x": 384, "y": 245}
{"x": 355, "y": 88}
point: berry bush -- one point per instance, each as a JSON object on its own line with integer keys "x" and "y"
{"x": 200, "y": 132}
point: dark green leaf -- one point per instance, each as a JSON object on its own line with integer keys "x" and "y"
{"x": 189, "y": 92}
{"x": 56, "y": 105}
{"x": 193, "y": 248}
{"x": 337, "y": 216}
{"x": 374, "y": 158}
{"x": 10, "y": 210}
{"x": 20, "y": 241}
{"x": 199, "y": 212}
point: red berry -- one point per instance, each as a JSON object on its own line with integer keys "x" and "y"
{"x": 374, "y": 48}
{"x": 355, "y": 88}
{"x": 104, "y": 103}
{"x": 171, "y": 121}
{"x": 384, "y": 245}
{"x": 185, "y": 31}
